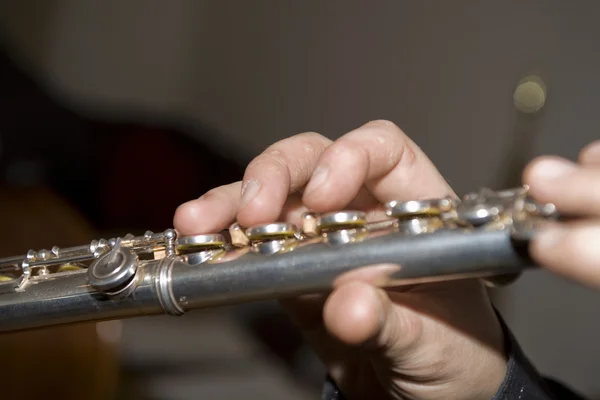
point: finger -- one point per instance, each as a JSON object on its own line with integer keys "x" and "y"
{"x": 306, "y": 310}
{"x": 217, "y": 209}
{"x": 380, "y": 155}
{"x": 358, "y": 314}
{"x": 294, "y": 209}
{"x": 590, "y": 155}
{"x": 573, "y": 189}
{"x": 281, "y": 169}
{"x": 212, "y": 212}
{"x": 570, "y": 249}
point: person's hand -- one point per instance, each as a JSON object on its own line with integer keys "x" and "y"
{"x": 434, "y": 341}
{"x": 569, "y": 248}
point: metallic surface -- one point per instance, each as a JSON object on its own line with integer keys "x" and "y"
{"x": 201, "y": 241}
{"x": 401, "y": 209}
{"x": 342, "y": 218}
{"x": 113, "y": 270}
{"x": 266, "y": 231}
{"x": 171, "y": 275}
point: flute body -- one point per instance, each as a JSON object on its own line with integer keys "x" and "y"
{"x": 483, "y": 235}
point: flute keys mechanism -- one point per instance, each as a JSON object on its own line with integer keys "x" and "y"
{"x": 272, "y": 238}
{"x": 69, "y": 268}
{"x": 341, "y": 220}
{"x": 510, "y": 207}
{"x": 238, "y": 236}
{"x": 420, "y": 216}
{"x": 200, "y": 242}
{"x": 114, "y": 270}
{"x": 199, "y": 249}
{"x": 339, "y": 227}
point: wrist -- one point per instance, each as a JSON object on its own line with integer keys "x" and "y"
{"x": 490, "y": 379}
{"x": 490, "y": 364}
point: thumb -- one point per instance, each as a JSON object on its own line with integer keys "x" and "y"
{"x": 358, "y": 314}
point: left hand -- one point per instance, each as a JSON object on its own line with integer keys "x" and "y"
{"x": 569, "y": 248}
{"x": 430, "y": 342}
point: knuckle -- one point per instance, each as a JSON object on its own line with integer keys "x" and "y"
{"x": 271, "y": 161}
{"x": 305, "y": 136}
{"x": 274, "y": 154}
{"x": 214, "y": 193}
{"x": 384, "y": 141}
{"x": 385, "y": 124}
{"x": 394, "y": 146}
{"x": 290, "y": 157}
{"x": 351, "y": 149}
{"x": 282, "y": 149}
{"x": 312, "y": 136}
{"x": 223, "y": 192}
{"x": 385, "y": 130}
{"x": 275, "y": 159}
{"x": 310, "y": 142}
{"x": 405, "y": 156}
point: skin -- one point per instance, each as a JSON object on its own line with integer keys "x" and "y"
{"x": 435, "y": 341}
{"x": 570, "y": 248}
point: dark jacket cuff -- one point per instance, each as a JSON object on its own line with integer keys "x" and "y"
{"x": 522, "y": 380}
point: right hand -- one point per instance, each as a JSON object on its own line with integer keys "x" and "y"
{"x": 434, "y": 341}
{"x": 569, "y": 248}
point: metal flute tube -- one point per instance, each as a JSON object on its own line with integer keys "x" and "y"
{"x": 317, "y": 268}
{"x": 173, "y": 287}
{"x": 70, "y": 299}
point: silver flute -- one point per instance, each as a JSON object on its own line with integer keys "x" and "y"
{"x": 482, "y": 235}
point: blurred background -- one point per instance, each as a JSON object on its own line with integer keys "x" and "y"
{"x": 113, "y": 113}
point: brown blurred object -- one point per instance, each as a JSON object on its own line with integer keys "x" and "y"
{"x": 66, "y": 363}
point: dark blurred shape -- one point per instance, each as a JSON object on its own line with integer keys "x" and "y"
{"x": 149, "y": 171}
{"x": 66, "y": 362}
{"x": 121, "y": 176}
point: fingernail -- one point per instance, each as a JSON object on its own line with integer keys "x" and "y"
{"x": 553, "y": 169}
{"x": 549, "y": 236}
{"x": 317, "y": 179}
{"x": 249, "y": 191}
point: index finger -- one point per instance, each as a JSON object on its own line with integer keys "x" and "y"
{"x": 280, "y": 170}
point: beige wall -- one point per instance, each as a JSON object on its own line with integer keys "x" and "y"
{"x": 259, "y": 71}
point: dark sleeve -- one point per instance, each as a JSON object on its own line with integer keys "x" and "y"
{"x": 522, "y": 381}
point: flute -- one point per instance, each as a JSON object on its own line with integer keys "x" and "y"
{"x": 483, "y": 235}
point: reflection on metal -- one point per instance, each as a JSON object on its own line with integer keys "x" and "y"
{"x": 426, "y": 240}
